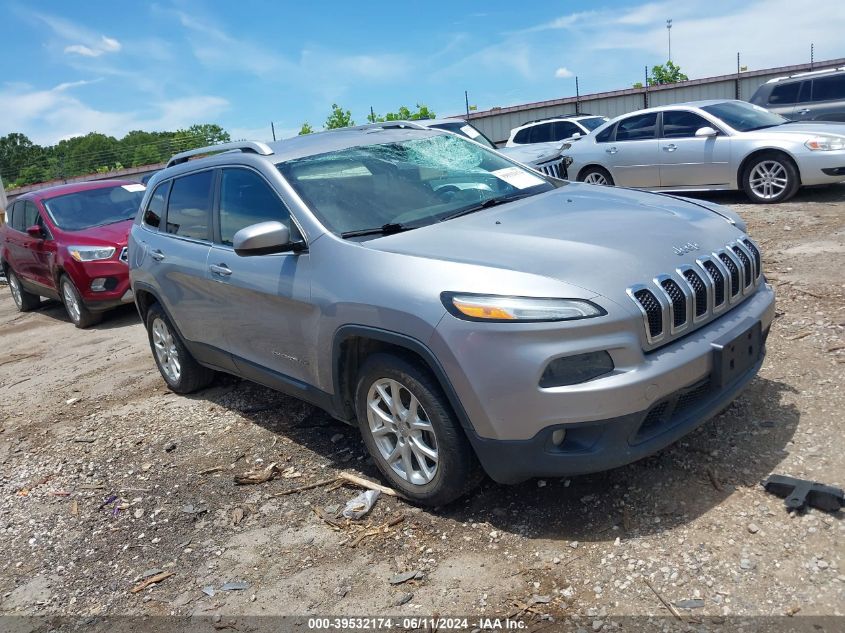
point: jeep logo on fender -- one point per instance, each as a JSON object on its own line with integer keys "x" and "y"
{"x": 685, "y": 248}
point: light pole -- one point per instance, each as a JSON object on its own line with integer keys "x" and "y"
{"x": 669, "y": 33}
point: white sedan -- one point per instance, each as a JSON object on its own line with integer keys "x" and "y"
{"x": 708, "y": 146}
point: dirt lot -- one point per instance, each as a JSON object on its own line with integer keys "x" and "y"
{"x": 86, "y": 418}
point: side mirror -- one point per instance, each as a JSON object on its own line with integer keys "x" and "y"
{"x": 35, "y": 231}
{"x": 264, "y": 238}
{"x": 706, "y": 132}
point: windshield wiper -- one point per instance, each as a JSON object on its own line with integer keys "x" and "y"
{"x": 384, "y": 229}
{"x": 492, "y": 202}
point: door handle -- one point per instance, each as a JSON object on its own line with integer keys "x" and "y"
{"x": 157, "y": 255}
{"x": 803, "y": 110}
{"x": 611, "y": 150}
{"x": 671, "y": 147}
{"x": 221, "y": 269}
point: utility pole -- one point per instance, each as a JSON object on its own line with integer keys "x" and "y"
{"x": 577, "y": 97}
{"x": 669, "y": 33}
{"x": 812, "y": 55}
{"x": 273, "y": 129}
{"x": 645, "y": 92}
{"x": 372, "y": 115}
{"x": 466, "y": 100}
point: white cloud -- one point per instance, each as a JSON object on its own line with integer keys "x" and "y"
{"x": 563, "y": 72}
{"x": 78, "y": 39}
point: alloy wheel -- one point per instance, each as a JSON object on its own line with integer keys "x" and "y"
{"x": 768, "y": 179}
{"x": 14, "y": 286}
{"x": 71, "y": 302}
{"x": 165, "y": 350}
{"x": 595, "y": 178}
{"x": 402, "y": 432}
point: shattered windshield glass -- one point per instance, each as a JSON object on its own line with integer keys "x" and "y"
{"x": 405, "y": 184}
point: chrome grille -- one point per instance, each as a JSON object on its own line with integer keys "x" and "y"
{"x": 675, "y": 303}
{"x": 552, "y": 168}
{"x": 124, "y": 255}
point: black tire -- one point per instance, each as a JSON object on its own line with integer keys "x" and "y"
{"x": 24, "y": 301}
{"x": 596, "y": 171}
{"x": 777, "y": 164}
{"x": 457, "y": 469}
{"x": 191, "y": 376}
{"x": 78, "y": 314}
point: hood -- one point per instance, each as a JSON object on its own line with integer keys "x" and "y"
{"x": 601, "y": 239}
{"x": 116, "y": 234}
{"x": 532, "y": 154}
{"x": 803, "y": 129}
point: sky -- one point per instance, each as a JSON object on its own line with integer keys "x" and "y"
{"x": 69, "y": 68}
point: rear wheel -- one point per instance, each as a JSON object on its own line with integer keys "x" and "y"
{"x": 411, "y": 432}
{"x": 81, "y": 316}
{"x": 596, "y": 176}
{"x": 770, "y": 178}
{"x": 25, "y": 301}
{"x": 181, "y": 372}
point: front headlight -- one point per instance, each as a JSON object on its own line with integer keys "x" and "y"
{"x": 473, "y": 307}
{"x": 825, "y": 143}
{"x": 90, "y": 253}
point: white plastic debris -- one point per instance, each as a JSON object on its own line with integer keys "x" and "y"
{"x": 360, "y": 505}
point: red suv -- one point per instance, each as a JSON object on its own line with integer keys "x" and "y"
{"x": 69, "y": 243}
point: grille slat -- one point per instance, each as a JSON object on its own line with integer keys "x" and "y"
{"x": 718, "y": 282}
{"x": 679, "y": 301}
{"x": 700, "y": 290}
{"x": 755, "y": 253}
{"x": 746, "y": 266}
{"x": 653, "y": 310}
{"x": 734, "y": 273}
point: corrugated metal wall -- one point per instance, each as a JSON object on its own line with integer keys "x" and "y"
{"x": 498, "y": 122}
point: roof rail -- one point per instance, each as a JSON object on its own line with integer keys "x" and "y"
{"x": 565, "y": 115}
{"x": 254, "y": 147}
{"x": 809, "y": 73}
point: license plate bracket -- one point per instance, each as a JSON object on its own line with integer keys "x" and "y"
{"x": 734, "y": 355}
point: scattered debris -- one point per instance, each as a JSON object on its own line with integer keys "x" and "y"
{"x": 72, "y": 401}
{"x": 405, "y": 598}
{"x": 361, "y": 504}
{"x": 257, "y": 477}
{"x": 190, "y": 508}
{"x": 384, "y": 528}
{"x": 316, "y": 484}
{"x": 793, "y": 610}
{"x": 170, "y": 447}
{"x": 753, "y": 528}
{"x": 366, "y": 483}
{"x": 405, "y": 576}
{"x": 74, "y": 508}
{"x": 238, "y": 585}
{"x": 210, "y": 471}
{"x": 238, "y": 515}
{"x": 798, "y": 493}
{"x": 714, "y": 479}
{"x": 152, "y": 580}
{"x": 666, "y": 604}
{"x": 693, "y": 603}
{"x": 209, "y": 591}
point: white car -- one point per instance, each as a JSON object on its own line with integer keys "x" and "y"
{"x": 707, "y": 146}
{"x": 554, "y": 129}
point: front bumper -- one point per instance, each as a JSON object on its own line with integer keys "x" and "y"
{"x": 118, "y": 291}
{"x": 511, "y": 419}
{"x": 822, "y": 168}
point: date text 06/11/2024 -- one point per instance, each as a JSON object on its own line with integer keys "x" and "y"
{"x": 410, "y": 623}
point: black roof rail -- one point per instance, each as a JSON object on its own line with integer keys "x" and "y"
{"x": 254, "y": 147}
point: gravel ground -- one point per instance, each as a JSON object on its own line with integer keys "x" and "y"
{"x": 108, "y": 479}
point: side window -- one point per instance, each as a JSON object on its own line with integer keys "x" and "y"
{"x": 829, "y": 88}
{"x": 522, "y": 136}
{"x": 245, "y": 199}
{"x": 564, "y": 129}
{"x": 605, "y": 134}
{"x": 541, "y": 133}
{"x": 16, "y": 218}
{"x": 31, "y": 217}
{"x": 680, "y": 124}
{"x": 785, "y": 93}
{"x": 637, "y": 128}
{"x": 155, "y": 207}
{"x": 806, "y": 88}
{"x": 189, "y": 205}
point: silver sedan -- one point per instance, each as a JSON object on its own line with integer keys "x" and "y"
{"x": 707, "y": 146}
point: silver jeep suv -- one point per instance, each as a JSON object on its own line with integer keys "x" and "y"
{"x": 468, "y": 314}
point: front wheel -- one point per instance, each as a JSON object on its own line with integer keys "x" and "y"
{"x": 181, "y": 372}
{"x": 596, "y": 176}
{"x": 411, "y": 432}
{"x": 24, "y": 301}
{"x": 81, "y": 316}
{"x": 770, "y": 178}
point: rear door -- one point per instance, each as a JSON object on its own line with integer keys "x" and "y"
{"x": 827, "y": 102}
{"x": 687, "y": 160}
{"x": 632, "y": 157}
{"x": 265, "y": 315}
{"x": 14, "y": 237}
{"x": 783, "y": 97}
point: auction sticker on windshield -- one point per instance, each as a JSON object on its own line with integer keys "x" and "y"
{"x": 470, "y": 131}
{"x": 134, "y": 188}
{"x": 518, "y": 178}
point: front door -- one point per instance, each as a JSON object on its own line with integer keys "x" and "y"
{"x": 632, "y": 157}
{"x": 687, "y": 160}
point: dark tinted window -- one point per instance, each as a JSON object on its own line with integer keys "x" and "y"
{"x": 189, "y": 205}
{"x": 744, "y": 117}
{"x": 564, "y": 129}
{"x": 785, "y": 93}
{"x": 245, "y": 199}
{"x": 637, "y": 127}
{"x": 16, "y": 219}
{"x": 523, "y": 136}
{"x": 155, "y": 207}
{"x": 829, "y": 88}
{"x": 31, "y": 217}
{"x": 806, "y": 89}
{"x": 605, "y": 134}
{"x": 680, "y": 124}
{"x": 593, "y": 122}
{"x": 541, "y": 133}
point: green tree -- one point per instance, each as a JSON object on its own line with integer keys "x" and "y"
{"x": 207, "y": 134}
{"x": 404, "y": 114}
{"x": 339, "y": 118}
{"x": 667, "y": 73}
{"x": 305, "y": 129}
{"x": 16, "y": 152}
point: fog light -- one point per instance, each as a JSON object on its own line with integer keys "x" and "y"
{"x": 571, "y": 370}
{"x": 99, "y": 284}
{"x": 558, "y": 436}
